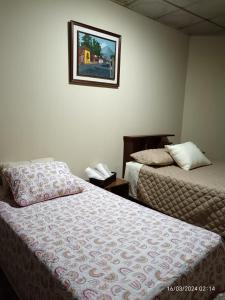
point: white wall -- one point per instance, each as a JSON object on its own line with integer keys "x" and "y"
{"x": 42, "y": 115}
{"x": 204, "y": 108}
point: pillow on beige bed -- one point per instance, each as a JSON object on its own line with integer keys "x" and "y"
{"x": 153, "y": 157}
{"x": 37, "y": 182}
{"x": 188, "y": 156}
{"x": 3, "y": 182}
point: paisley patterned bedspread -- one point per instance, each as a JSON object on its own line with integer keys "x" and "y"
{"x": 96, "y": 245}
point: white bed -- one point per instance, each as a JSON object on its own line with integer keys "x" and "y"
{"x": 95, "y": 245}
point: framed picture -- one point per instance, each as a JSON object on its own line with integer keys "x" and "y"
{"x": 94, "y": 56}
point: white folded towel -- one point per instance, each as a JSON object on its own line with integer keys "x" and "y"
{"x": 91, "y": 173}
{"x": 103, "y": 169}
{"x": 107, "y": 169}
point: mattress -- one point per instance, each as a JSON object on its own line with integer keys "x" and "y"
{"x": 97, "y": 245}
{"x": 196, "y": 196}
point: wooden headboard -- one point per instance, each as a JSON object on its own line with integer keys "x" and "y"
{"x": 136, "y": 143}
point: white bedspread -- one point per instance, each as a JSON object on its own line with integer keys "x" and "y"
{"x": 98, "y": 246}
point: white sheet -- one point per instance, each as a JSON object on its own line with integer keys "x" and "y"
{"x": 131, "y": 174}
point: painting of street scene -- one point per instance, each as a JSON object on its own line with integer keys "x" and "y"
{"x": 95, "y": 56}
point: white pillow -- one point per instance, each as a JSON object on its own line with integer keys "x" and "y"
{"x": 188, "y": 156}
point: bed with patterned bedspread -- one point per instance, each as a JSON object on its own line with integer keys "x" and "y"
{"x": 97, "y": 245}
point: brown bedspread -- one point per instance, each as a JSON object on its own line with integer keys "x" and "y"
{"x": 196, "y": 196}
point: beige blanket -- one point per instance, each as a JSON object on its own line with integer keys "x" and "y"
{"x": 196, "y": 196}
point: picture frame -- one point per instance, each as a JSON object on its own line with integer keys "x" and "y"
{"x": 94, "y": 56}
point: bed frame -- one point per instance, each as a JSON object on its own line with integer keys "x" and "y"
{"x": 134, "y": 143}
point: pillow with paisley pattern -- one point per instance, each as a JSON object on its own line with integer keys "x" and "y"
{"x": 37, "y": 182}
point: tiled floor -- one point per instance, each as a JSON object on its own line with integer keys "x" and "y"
{"x": 6, "y": 292}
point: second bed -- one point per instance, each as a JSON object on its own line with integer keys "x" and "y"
{"x": 196, "y": 196}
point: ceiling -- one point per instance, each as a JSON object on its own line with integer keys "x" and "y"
{"x": 193, "y": 17}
